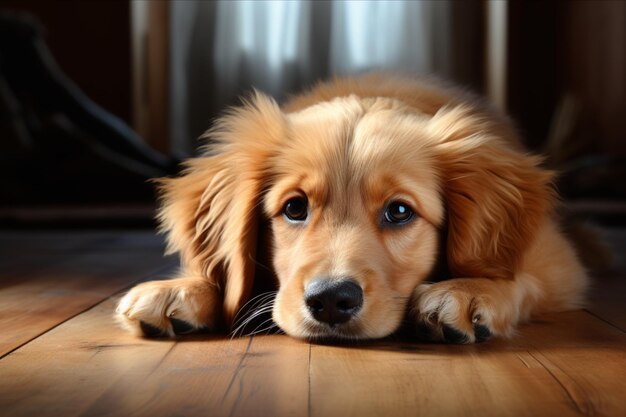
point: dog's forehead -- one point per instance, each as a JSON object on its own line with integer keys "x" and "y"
{"x": 360, "y": 136}
{"x": 337, "y": 109}
{"x": 361, "y": 148}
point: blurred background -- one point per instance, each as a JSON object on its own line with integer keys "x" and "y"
{"x": 97, "y": 97}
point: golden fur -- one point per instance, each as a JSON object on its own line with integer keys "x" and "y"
{"x": 350, "y": 146}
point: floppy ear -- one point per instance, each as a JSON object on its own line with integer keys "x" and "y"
{"x": 210, "y": 212}
{"x": 496, "y": 195}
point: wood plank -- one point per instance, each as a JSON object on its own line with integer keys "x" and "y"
{"x": 568, "y": 364}
{"x": 62, "y": 372}
{"x": 28, "y": 251}
{"x": 606, "y": 300}
{"x": 586, "y": 357}
{"x": 24, "y": 251}
{"x": 608, "y": 289}
{"x": 89, "y": 367}
{"x": 562, "y": 364}
{"x": 39, "y": 293}
{"x": 217, "y": 376}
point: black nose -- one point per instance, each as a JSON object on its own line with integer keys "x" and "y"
{"x": 333, "y": 301}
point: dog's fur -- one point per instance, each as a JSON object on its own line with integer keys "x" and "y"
{"x": 484, "y": 209}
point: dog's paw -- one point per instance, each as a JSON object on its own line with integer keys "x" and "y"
{"x": 461, "y": 311}
{"x": 168, "y": 308}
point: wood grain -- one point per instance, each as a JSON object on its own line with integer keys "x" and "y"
{"x": 64, "y": 371}
{"x": 41, "y": 286}
{"x": 551, "y": 368}
{"x": 567, "y": 364}
{"x": 98, "y": 369}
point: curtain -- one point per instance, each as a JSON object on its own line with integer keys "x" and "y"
{"x": 220, "y": 50}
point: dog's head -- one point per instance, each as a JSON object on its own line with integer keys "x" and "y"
{"x": 356, "y": 193}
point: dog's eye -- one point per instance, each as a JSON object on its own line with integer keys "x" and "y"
{"x": 398, "y": 212}
{"x": 295, "y": 209}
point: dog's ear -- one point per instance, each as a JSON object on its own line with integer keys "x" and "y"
{"x": 211, "y": 212}
{"x": 497, "y": 196}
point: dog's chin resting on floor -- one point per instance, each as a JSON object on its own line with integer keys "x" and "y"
{"x": 344, "y": 200}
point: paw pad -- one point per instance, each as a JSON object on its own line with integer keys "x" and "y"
{"x": 481, "y": 333}
{"x": 150, "y": 330}
{"x": 452, "y": 335}
{"x": 181, "y": 326}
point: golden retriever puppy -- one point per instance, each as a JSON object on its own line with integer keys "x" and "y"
{"x": 377, "y": 200}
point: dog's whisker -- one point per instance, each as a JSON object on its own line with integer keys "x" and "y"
{"x": 257, "y": 331}
{"x": 267, "y": 330}
{"x": 241, "y": 333}
{"x": 257, "y": 298}
{"x": 263, "y": 309}
{"x": 258, "y": 312}
{"x": 258, "y": 304}
{"x": 253, "y": 303}
{"x": 248, "y": 320}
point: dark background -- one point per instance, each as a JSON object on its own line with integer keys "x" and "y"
{"x": 559, "y": 53}
{"x": 91, "y": 42}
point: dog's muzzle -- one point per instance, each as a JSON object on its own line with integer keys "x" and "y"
{"x": 333, "y": 301}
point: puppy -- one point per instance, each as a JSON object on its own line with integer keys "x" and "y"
{"x": 354, "y": 192}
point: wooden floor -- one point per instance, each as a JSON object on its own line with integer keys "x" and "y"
{"x": 62, "y": 355}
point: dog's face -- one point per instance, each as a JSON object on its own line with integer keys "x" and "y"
{"x": 356, "y": 191}
{"x": 355, "y": 206}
